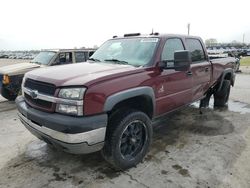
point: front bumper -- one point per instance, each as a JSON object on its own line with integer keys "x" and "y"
{"x": 71, "y": 134}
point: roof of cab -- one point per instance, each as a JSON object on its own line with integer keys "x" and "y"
{"x": 158, "y": 35}
{"x": 70, "y": 50}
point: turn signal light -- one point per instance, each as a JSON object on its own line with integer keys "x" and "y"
{"x": 6, "y": 79}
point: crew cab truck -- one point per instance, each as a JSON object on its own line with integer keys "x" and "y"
{"x": 109, "y": 102}
{"x": 11, "y": 76}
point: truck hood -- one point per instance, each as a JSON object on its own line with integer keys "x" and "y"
{"x": 78, "y": 74}
{"x": 19, "y": 68}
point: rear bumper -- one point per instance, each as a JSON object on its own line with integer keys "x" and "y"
{"x": 78, "y": 141}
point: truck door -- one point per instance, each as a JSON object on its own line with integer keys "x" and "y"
{"x": 200, "y": 68}
{"x": 175, "y": 89}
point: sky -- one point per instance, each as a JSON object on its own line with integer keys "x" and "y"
{"x": 41, "y": 24}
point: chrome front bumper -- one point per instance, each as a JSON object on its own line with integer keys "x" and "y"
{"x": 78, "y": 143}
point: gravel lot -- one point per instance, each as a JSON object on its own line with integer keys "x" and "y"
{"x": 189, "y": 150}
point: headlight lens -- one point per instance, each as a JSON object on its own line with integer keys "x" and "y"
{"x": 69, "y": 109}
{"x": 72, "y": 93}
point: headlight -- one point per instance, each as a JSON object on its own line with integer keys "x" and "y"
{"x": 72, "y": 93}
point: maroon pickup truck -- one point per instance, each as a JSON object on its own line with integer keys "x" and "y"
{"x": 109, "y": 102}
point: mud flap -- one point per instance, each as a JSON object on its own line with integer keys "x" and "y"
{"x": 204, "y": 103}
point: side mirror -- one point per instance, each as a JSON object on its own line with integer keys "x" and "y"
{"x": 182, "y": 61}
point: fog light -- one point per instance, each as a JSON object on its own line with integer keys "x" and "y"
{"x": 69, "y": 109}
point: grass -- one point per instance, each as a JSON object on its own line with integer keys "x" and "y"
{"x": 245, "y": 61}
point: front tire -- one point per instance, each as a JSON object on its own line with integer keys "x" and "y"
{"x": 221, "y": 97}
{"x": 128, "y": 137}
{"x": 8, "y": 94}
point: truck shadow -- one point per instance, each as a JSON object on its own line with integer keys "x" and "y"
{"x": 169, "y": 131}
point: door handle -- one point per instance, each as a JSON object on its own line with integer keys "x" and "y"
{"x": 206, "y": 69}
{"x": 189, "y": 73}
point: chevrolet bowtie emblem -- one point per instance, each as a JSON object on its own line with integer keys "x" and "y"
{"x": 34, "y": 94}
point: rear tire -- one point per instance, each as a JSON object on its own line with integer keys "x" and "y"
{"x": 238, "y": 67}
{"x": 221, "y": 97}
{"x": 128, "y": 137}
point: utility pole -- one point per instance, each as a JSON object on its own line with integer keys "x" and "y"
{"x": 243, "y": 38}
{"x": 188, "y": 26}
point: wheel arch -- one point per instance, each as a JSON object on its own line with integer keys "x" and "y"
{"x": 228, "y": 74}
{"x": 141, "y": 98}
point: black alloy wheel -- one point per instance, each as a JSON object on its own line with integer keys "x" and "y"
{"x": 133, "y": 139}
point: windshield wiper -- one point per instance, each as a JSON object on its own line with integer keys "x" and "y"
{"x": 93, "y": 59}
{"x": 117, "y": 61}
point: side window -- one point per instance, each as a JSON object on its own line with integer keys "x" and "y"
{"x": 91, "y": 53}
{"x": 64, "y": 58}
{"x": 170, "y": 47}
{"x": 195, "y": 47}
{"x": 80, "y": 57}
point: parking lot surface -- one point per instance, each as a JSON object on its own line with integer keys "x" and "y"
{"x": 189, "y": 150}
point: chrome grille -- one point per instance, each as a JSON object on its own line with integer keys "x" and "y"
{"x": 38, "y": 102}
{"x": 41, "y": 87}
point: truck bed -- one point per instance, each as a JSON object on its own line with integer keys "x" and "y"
{"x": 219, "y": 65}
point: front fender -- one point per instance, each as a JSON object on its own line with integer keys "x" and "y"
{"x": 114, "y": 99}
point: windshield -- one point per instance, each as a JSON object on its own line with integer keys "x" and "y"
{"x": 43, "y": 58}
{"x": 132, "y": 51}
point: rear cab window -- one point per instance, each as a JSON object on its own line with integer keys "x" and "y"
{"x": 196, "y": 50}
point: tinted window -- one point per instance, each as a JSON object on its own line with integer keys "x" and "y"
{"x": 91, "y": 53}
{"x": 195, "y": 47}
{"x": 170, "y": 47}
{"x": 80, "y": 57}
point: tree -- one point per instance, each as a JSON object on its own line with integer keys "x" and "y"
{"x": 236, "y": 43}
{"x": 211, "y": 42}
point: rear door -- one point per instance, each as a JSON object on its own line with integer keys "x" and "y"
{"x": 200, "y": 68}
{"x": 175, "y": 89}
